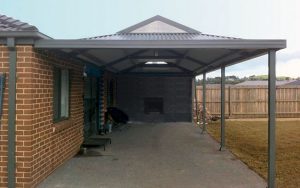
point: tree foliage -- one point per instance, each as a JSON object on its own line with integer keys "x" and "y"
{"x": 235, "y": 80}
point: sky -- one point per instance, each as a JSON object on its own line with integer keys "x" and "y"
{"x": 248, "y": 19}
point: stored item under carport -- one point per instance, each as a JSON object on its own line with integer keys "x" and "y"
{"x": 117, "y": 115}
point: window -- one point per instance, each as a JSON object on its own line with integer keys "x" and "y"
{"x": 60, "y": 94}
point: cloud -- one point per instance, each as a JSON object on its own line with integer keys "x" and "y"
{"x": 288, "y": 64}
{"x": 256, "y": 66}
{"x": 289, "y": 68}
{"x": 286, "y": 55}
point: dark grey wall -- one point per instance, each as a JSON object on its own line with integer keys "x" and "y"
{"x": 175, "y": 91}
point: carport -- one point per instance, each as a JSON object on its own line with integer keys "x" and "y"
{"x": 159, "y": 51}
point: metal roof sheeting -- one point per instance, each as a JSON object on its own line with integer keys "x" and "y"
{"x": 160, "y": 36}
{"x": 10, "y": 24}
{"x": 159, "y": 28}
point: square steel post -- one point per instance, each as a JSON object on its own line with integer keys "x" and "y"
{"x": 222, "y": 146}
{"x": 194, "y": 99}
{"x": 271, "y": 118}
{"x": 204, "y": 103}
{"x": 11, "y": 165}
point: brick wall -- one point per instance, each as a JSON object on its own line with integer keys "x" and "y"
{"x": 41, "y": 146}
{"x": 52, "y": 143}
{"x": 4, "y": 119}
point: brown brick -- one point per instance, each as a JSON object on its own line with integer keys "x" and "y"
{"x": 39, "y": 149}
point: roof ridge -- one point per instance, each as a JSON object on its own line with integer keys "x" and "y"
{"x": 158, "y": 18}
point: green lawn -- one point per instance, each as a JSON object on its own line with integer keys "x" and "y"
{"x": 248, "y": 141}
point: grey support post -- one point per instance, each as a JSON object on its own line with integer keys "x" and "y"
{"x": 196, "y": 100}
{"x": 222, "y": 145}
{"x": 272, "y": 118}
{"x": 11, "y": 165}
{"x": 204, "y": 103}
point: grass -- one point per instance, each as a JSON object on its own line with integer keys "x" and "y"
{"x": 248, "y": 141}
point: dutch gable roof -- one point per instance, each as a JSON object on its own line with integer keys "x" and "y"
{"x": 159, "y": 28}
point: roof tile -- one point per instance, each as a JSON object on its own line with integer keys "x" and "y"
{"x": 10, "y": 24}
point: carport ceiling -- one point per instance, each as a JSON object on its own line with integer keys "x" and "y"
{"x": 182, "y": 49}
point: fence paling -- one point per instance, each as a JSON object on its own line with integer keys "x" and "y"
{"x": 252, "y": 101}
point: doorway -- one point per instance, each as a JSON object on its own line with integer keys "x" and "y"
{"x": 90, "y": 106}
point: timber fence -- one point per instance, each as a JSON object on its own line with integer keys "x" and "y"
{"x": 251, "y": 101}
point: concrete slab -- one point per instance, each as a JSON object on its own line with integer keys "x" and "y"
{"x": 157, "y": 155}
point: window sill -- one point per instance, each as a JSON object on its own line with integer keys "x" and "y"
{"x": 62, "y": 125}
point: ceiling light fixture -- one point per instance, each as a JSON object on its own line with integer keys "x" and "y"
{"x": 156, "y": 63}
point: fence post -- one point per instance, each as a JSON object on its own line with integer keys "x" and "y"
{"x": 296, "y": 99}
{"x": 229, "y": 101}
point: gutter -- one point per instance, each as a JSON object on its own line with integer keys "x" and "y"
{"x": 161, "y": 44}
{"x": 24, "y": 34}
{"x": 11, "y": 165}
{"x": 22, "y": 37}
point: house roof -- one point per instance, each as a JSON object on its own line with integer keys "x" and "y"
{"x": 21, "y": 31}
{"x": 264, "y": 83}
{"x": 11, "y": 24}
{"x": 214, "y": 85}
{"x": 294, "y": 83}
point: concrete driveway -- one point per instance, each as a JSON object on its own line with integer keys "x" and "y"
{"x": 156, "y": 155}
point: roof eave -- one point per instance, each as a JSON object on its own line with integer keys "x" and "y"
{"x": 23, "y": 34}
{"x": 228, "y": 44}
